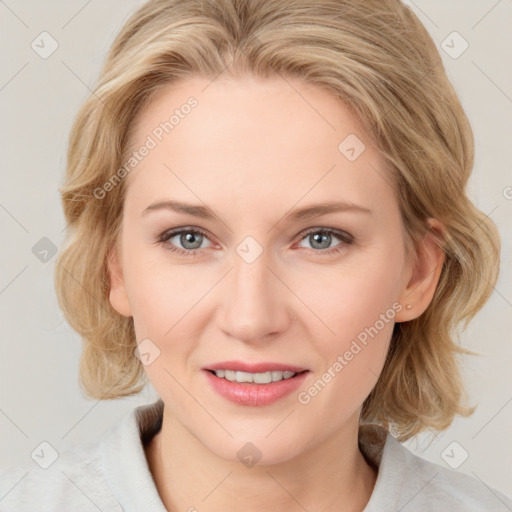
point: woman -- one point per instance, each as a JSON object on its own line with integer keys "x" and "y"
{"x": 267, "y": 221}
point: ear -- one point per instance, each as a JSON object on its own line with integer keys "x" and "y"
{"x": 118, "y": 296}
{"x": 424, "y": 274}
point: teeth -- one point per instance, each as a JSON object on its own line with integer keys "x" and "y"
{"x": 257, "y": 378}
{"x": 276, "y": 376}
{"x": 243, "y": 377}
{"x": 229, "y": 375}
{"x": 262, "y": 378}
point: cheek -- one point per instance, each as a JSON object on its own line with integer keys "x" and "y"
{"x": 163, "y": 299}
{"x": 358, "y": 304}
{"x": 160, "y": 292}
{"x": 353, "y": 295}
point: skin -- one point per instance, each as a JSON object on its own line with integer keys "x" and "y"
{"x": 252, "y": 150}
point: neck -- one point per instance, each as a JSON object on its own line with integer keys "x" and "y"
{"x": 332, "y": 475}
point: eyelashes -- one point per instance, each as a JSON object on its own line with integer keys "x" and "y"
{"x": 167, "y": 235}
{"x": 328, "y": 234}
{"x": 344, "y": 237}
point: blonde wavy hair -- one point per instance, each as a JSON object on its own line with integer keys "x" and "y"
{"x": 377, "y": 58}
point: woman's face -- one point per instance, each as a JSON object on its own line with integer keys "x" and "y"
{"x": 259, "y": 276}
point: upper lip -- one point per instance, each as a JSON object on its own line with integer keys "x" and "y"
{"x": 255, "y": 367}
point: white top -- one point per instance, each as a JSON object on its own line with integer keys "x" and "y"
{"x": 112, "y": 475}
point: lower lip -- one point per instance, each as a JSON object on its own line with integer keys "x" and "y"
{"x": 256, "y": 395}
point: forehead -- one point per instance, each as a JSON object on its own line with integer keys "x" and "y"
{"x": 267, "y": 137}
{"x": 244, "y": 107}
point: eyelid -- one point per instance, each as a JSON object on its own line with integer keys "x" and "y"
{"x": 343, "y": 235}
{"x": 171, "y": 233}
{"x": 345, "y": 238}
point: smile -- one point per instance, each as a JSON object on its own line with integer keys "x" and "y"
{"x": 256, "y": 378}
{"x": 256, "y": 384}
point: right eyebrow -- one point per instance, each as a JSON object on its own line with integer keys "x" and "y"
{"x": 177, "y": 206}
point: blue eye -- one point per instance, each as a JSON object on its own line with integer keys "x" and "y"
{"x": 321, "y": 238}
{"x": 191, "y": 240}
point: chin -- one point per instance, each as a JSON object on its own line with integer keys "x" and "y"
{"x": 261, "y": 446}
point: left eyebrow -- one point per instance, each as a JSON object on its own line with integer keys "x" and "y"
{"x": 204, "y": 212}
{"x": 324, "y": 208}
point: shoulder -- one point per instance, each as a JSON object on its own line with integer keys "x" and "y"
{"x": 434, "y": 486}
{"x": 111, "y": 474}
{"x": 74, "y": 481}
{"x": 407, "y": 482}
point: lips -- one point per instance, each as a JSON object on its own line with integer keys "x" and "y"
{"x": 254, "y": 393}
{"x": 255, "y": 367}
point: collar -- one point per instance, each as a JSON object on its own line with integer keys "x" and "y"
{"x": 126, "y": 467}
{"x": 128, "y": 474}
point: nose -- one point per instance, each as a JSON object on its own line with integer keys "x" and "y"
{"x": 255, "y": 302}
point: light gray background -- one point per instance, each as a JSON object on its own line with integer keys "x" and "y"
{"x": 40, "y": 399}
